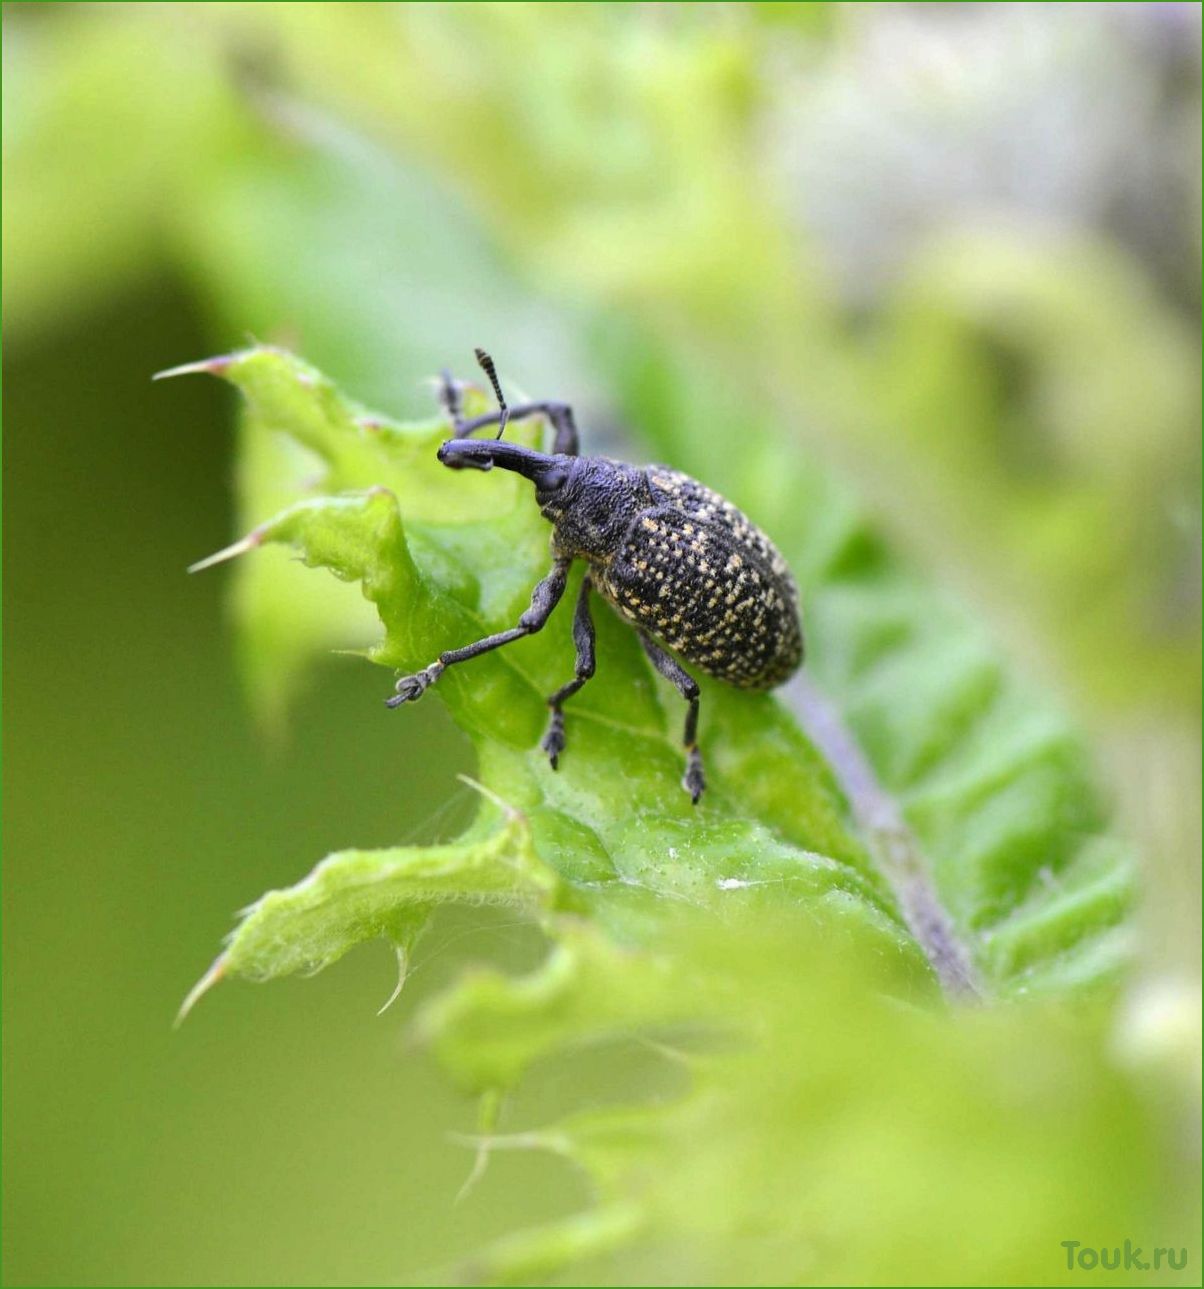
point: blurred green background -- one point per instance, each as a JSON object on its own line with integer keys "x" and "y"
{"x": 954, "y": 250}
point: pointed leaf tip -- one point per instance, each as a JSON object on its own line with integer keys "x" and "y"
{"x": 240, "y": 547}
{"x": 200, "y": 989}
{"x": 403, "y": 966}
{"x": 206, "y": 366}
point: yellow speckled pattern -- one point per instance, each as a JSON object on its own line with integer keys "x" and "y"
{"x": 697, "y": 574}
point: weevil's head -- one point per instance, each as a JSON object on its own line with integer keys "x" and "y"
{"x": 549, "y": 472}
{"x": 588, "y": 499}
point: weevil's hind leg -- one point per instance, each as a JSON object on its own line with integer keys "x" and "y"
{"x": 694, "y": 781}
{"x": 583, "y": 638}
{"x": 544, "y": 599}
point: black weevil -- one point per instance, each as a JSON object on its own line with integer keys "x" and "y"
{"x": 683, "y": 566}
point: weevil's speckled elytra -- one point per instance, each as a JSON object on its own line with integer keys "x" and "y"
{"x": 683, "y": 566}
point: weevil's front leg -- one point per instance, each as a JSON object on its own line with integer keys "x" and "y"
{"x": 544, "y": 599}
{"x": 583, "y": 638}
{"x": 559, "y": 414}
{"x": 693, "y": 780}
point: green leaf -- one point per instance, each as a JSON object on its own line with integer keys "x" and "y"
{"x": 448, "y": 558}
{"x": 996, "y": 791}
{"x": 826, "y": 1135}
{"x": 356, "y": 895}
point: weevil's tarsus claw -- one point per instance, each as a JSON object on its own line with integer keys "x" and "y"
{"x": 694, "y": 781}
{"x": 411, "y": 688}
{"x": 553, "y": 741}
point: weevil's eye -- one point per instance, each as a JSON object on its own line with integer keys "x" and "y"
{"x": 551, "y": 480}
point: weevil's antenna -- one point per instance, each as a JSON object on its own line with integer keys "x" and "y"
{"x": 487, "y": 367}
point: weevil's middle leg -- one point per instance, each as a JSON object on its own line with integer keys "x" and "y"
{"x": 694, "y": 781}
{"x": 583, "y": 638}
{"x": 544, "y": 599}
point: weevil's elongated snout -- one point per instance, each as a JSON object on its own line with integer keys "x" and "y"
{"x": 484, "y": 454}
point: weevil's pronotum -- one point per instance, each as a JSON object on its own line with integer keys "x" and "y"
{"x": 683, "y": 566}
